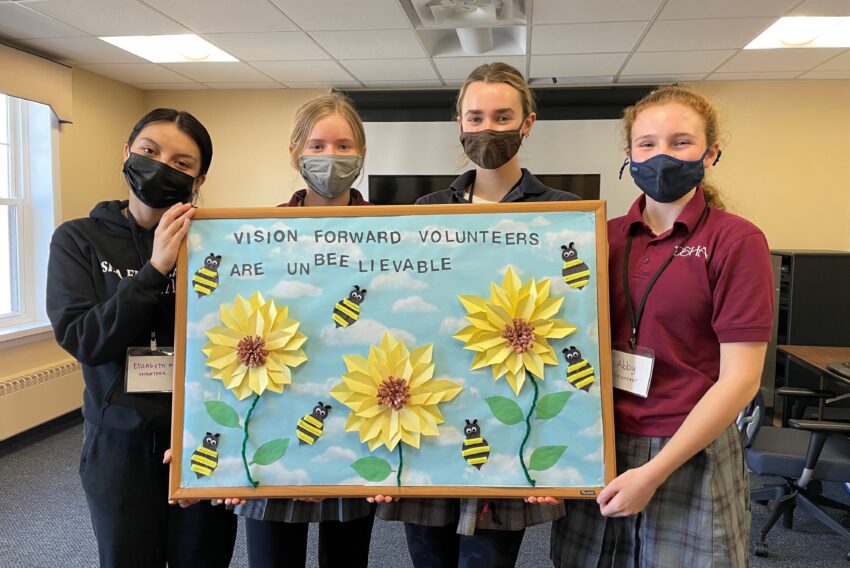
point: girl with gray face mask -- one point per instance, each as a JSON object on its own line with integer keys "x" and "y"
{"x": 327, "y": 146}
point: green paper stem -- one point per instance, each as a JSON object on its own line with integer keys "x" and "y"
{"x": 245, "y": 441}
{"x": 528, "y": 433}
{"x": 400, "y": 465}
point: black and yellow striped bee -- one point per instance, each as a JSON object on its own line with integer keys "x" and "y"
{"x": 575, "y": 271}
{"x": 311, "y": 425}
{"x": 476, "y": 450}
{"x": 347, "y": 310}
{"x": 205, "y": 458}
{"x": 579, "y": 372}
{"x": 205, "y": 280}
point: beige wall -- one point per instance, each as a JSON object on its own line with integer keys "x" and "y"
{"x": 250, "y": 133}
{"x": 784, "y": 160}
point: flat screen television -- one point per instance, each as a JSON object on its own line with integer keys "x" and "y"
{"x": 406, "y": 189}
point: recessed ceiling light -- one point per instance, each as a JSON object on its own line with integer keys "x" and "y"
{"x": 804, "y": 32}
{"x": 170, "y": 48}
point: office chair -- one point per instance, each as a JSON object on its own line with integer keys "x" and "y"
{"x": 804, "y": 454}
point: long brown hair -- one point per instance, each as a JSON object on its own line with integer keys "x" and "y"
{"x": 689, "y": 98}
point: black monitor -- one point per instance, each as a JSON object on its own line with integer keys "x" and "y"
{"x": 406, "y": 189}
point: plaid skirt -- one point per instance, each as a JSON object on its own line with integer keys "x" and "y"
{"x": 292, "y": 511}
{"x": 699, "y": 517}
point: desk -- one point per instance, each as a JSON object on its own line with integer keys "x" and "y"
{"x": 815, "y": 358}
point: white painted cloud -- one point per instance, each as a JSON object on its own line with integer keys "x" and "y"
{"x": 335, "y": 453}
{"x": 451, "y": 326}
{"x": 292, "y": 289}
{"x": 511, "y": 226}
{"x": 414, "y": 477}
{"x": 540, "y": 222}
{"x": 274, "y": 474}
{"x": 500, "y": 469}
{"x": 197, "y": 330}
{"x": 449, "y": 436}
{"x": 560, "y": 476}
{"x": 363, "y": 332}
{"x": 335, "y": 425}
{"x": 594, "y": 456}
{"x": 582, "y": 241}
{"x": 413, "y": 304}
{"x": 401, "y": 281}
{"x": 467, "y": 389}
{"x": 190, "y": 441}
{"x": 195, "y": 242}
{"x": 592, "y": 431}
{"x": 314, "y": 389}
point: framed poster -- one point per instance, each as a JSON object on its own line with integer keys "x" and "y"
{"x": 457, "y": 350}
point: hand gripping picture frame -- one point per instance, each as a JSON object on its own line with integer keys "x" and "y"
{"x": 441, "y": 350}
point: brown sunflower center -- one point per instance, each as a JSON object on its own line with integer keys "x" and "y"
{"x": 520, "y": 336}
{"x": 251, "y": 351}
{"x": 393, "y": 393}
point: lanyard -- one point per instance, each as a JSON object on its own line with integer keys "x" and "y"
{"x": 136, "y": 241}
{"x": 636, "y": 315}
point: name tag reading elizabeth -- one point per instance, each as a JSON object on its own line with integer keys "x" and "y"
{"x": 149, "y": 370}
{"x": 633, "y": 369}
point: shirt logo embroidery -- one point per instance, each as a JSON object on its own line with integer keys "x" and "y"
{"x": 697, "y": 251}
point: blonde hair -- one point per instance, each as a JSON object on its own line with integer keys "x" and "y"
{"x": 499, "y": 72}
{"x": 684, "y": 96}
{"x": 316, "y": 109}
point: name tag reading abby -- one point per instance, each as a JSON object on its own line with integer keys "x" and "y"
{"x": 633, "y": 369}
{"x": 149, "y": 369}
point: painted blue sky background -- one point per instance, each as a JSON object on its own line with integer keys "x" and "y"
{"x": 416, "y": 308}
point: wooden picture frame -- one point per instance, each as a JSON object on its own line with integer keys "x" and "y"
{"x": 549, "y": 437}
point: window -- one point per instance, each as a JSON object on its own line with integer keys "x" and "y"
{"x": 28, "y": 137}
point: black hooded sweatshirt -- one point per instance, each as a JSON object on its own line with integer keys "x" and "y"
{"x": 104, "y": 296}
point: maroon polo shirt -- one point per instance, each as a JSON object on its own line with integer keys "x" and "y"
{"x": 298, "y": 199}
{"x": 717, "y": 289}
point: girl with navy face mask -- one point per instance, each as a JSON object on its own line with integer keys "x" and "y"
{"x": 692, "y": 297}
{"x": 110, "y": 287}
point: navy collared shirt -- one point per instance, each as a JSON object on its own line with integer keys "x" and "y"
{"x": 529, "y": 188}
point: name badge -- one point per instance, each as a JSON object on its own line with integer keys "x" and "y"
{"x": 149, "y": 370}
{"x": 633, "y": 369}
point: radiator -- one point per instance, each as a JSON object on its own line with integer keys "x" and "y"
{"x": 35, "y": 397}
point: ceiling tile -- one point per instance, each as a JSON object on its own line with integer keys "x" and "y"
{"x": 109, "y": 17}
{"x": 269, "y": 46}
{"x": 544, "y": 82}
{"x": 778, "y": 59}
{"x": 137, "y": 73}
{"x": 585, "y": 38}
{"x": 303, "y": 71}
{"x": 672, "y": 62}
{"x": 245, "y": 86}
{"x": 368, "y": 70}
{"x": 840, "y": 63}
{"x": 218, "y": 72}
{"x": 461, "y": 67}
{"x": 679, "y": 35}
{"x": 372, "y": 44}
{"x": 170, "y": 86}
{"x": 18, "y": 22}
{"x": 344, "y": 14}
{"x": 687, "y": 9}
{"x": 560, "y": 12}
{"x": 203, "y": 16}
{"x": 822, "y": 8}
{"x": 76, "y": 50}
{"x": 754, "y": 76}
{"x": 661, "y": 79}
{"x": 826, "y": 75}
{"x": 404, "y": 85}
{"x": 595, "y": 65}
{"x": 324, "y": 85}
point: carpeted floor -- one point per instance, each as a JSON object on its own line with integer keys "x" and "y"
{"x": 44, "y": 521}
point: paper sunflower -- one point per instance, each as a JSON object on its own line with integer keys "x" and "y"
{"x": 256, "y": 347}
{"x": 509, "y": 332}
{"x": 392, "y": 395}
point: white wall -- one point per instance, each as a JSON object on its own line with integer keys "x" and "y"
{"x": 554, "y": 147}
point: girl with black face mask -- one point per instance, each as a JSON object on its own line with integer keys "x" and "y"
{"x": 495, "y": 112}
{"x": 110, "y": 287}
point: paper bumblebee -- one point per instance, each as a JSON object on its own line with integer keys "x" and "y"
{"x": 205, "y": 458}
{"x": 310, "y": 427}
{"x": 205, "y": 280}
{"x": 575, "y": 272}
{"x": 579, "y": 372}
{"x": 347, "y": 311}
{"x": 475, "y": 450}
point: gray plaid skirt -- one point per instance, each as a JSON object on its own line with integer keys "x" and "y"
{"x": 292, "y": 511}
{"x": 699, "y": 517}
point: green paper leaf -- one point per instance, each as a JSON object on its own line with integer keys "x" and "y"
{"x": 505, "y": 410}
{"x": 270, "y": 452}
{"x": 545, "y": 457}
{"x": 551, "y": 405}
{"x": 222, "y": 413}
{"x": 372, "y": 468}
